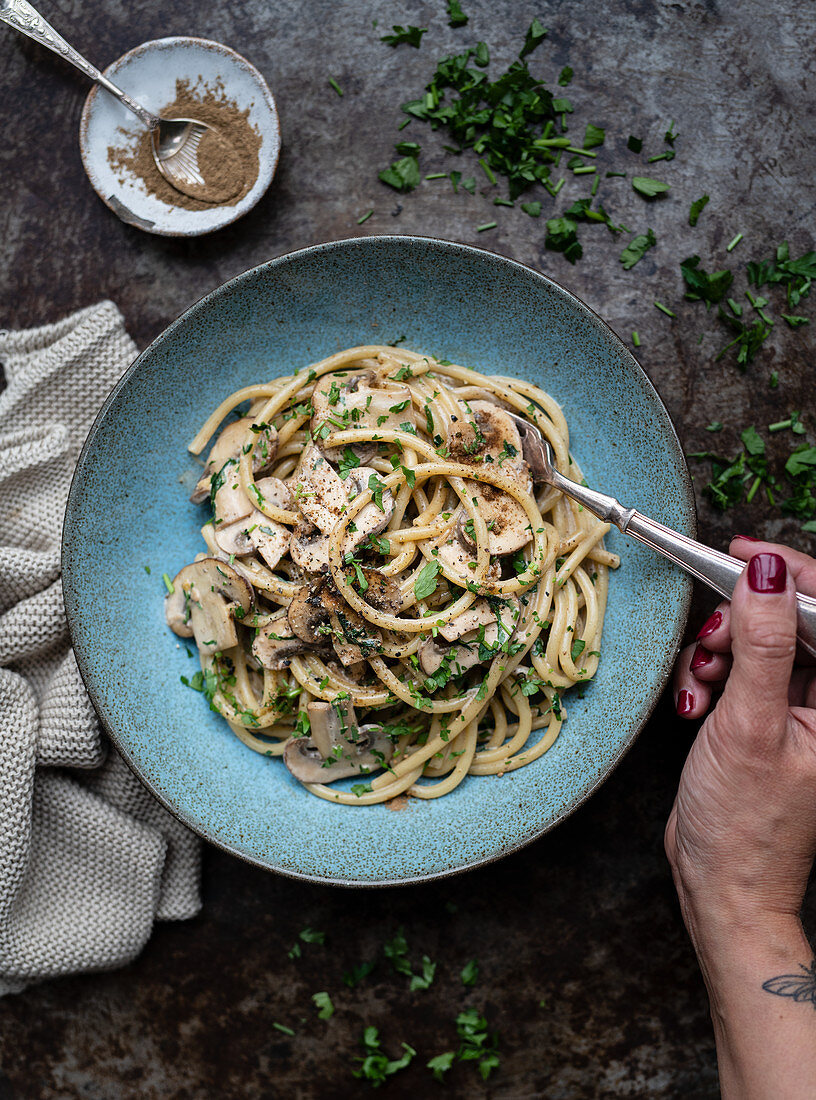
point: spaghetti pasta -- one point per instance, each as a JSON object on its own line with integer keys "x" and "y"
{"x": 379, "y": 544}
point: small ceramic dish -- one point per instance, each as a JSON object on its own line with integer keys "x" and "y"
{"x": 149, "y": 73}
{"x": 126, "y": 513}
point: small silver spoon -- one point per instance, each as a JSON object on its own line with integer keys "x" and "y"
{"x": 175, "y": 141}
{"x": 719, "y": 571}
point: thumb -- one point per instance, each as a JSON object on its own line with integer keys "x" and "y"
{"x": 763, "y": 633}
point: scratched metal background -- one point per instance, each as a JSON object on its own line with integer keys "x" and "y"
{"x": 585, "y": 920}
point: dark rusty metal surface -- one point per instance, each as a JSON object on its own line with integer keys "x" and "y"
{"x": 586, "y": 919}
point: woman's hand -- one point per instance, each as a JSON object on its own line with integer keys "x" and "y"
{"x": 743, "y": 829}
{"x": 741, "y": 837}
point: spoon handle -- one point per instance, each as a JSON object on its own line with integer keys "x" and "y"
{"x": 20, "y": 15}
{"x": 719, "y": 571}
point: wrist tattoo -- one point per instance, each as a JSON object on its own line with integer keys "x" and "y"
{"x": 801, "y": 986}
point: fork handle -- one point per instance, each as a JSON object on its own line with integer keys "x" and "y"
{"x": 719, "y": 571}
{"x": 20, "y": 15}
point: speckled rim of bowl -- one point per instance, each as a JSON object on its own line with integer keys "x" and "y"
{"x": 267, "y": 160}
{"x": 665, "y": 669}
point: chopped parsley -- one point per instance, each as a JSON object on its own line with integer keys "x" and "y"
{"x": 409, "y": 36}
{"x": 696, "y": 209}
{"x": 348, "y": 462}
{"x": 470, "y": 973}
{"x": 456, "y": 17}
{"x": 637, "y": 249}
{"x": 402, "y": 175}
{"x": 649, "y": 188}
{"x": 476, "y": 1043}
{"x": 377, "y": 490}
{"x": 440, "y": 1065}
{"x": 375, "y": 1067}
{"x": 426, "y": 582}
{"x": 323, "y": 1002}
{"x": 704, "y": 287}
{"x": 359, "y": 971}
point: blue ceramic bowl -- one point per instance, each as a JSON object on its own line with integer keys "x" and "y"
{"x": 128, "y": 509}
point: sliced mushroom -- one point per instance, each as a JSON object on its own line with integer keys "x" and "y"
{"x": 308, "y": 616}
{"x": 228, "y": 446}
{"x": 469, "y": 639}
{"x": 230, "y": 502}
{"x": 276, "y": 644}
{"x": 490, "y": 439}
{"x": 324, "y": 499}
{"x": 480, "y": 613}
{"x": 337, "y": 747}
{"x": 372, "y": 519}
{"x": 331, "y": 724}
{"x": 254, "y": 532}
{"x": 353, "y": 637}
{"x": 309, "y": 548}
{"x": 320, "y": 494}
{"x": 365, "y": 400}
{"x": 383, "y": 592}
{"x": 206, "y": 598}
{"x": 450, "y": 550}
{"x": 271, "y": 490}
{"x": 461, "y": 656}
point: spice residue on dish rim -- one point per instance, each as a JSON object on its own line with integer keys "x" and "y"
{"x": 207, "y": 104}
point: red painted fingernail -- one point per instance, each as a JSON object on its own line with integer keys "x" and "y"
{"x": 701, "y": 658}
{"x": 747, "y": 538}
{"x": 710, "y": 625}
{"x": 685, "y": 703}
{"x": 767, "y": 573}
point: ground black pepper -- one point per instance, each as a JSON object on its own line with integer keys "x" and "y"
{"x": 212, "y": 106}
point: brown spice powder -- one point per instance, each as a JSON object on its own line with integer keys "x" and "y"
{"x": 208, "y": 105}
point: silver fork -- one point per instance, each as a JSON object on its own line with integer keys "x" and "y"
{"x": 174, "y": 141}
{"x": 719, "y": 571}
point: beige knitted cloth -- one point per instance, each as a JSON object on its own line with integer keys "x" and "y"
{"x": 88, "y": 859}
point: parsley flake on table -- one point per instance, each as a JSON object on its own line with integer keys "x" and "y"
{"x": 359, "y": 971}
{"x": 749, "y": 338}
{"x": 456, "y": 17}
{"x": 637, "y": 249}
{"x": 403, "y": 174}
{"x": 440, "y": 1065}
{"x": 410, "y": 36}
{"x": 423, "y": 980}
{"x": 476, "y": 1045}
{"x": 697, "y": 209}
{"x": 469, "y": 973}
{"x": 534, "y": 37}
{"x": 565, "y": 76}
{"x": 795, "y": 275}
{"x": 704, "y": 287}
{"x": 323, "y": 1002}
{"x": 308, "y": 935}
{"x": 376, "y": 1067}
{"x": 593, "y": 136}
{"x": 649, "y": 188}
